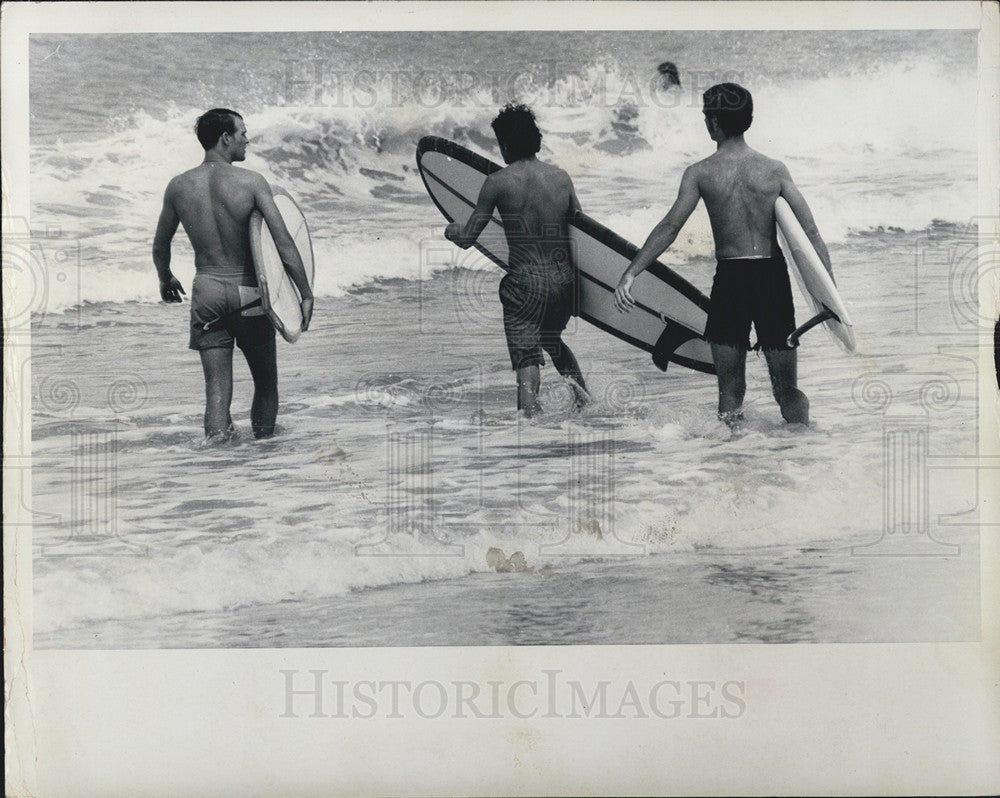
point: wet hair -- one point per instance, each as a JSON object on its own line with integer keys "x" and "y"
{"x": 731, "y": 105}
{"x": 212, "y": 124}
{"x": 517, "y": 132}
{"x": 668, "y": 69}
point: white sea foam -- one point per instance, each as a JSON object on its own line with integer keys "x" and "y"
{"x": 893, "y": 147}
{"x": 400, "y": 457}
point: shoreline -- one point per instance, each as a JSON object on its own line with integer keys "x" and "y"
{"x": 768, "y": 595}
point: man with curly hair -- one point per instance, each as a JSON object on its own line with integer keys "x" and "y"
{"x": 536, "y": 201}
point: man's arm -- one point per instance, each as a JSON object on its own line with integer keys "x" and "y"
{"x": 801, "y": 210}
{"x": 289, "y": 253}
{"x": 465, "y": 236}
{"x": 662, "y": 236}
{"x": 170, "y": 287}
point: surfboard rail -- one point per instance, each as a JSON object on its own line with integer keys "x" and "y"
{"x": 278, "y": 293}
{"x": 679, "y": 333}
{"x": 814, "y": 281}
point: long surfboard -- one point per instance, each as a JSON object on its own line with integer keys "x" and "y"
{"x": 279, "y": 296}
{"x": 669, "y": 320}
{"x": 814, "y": 281}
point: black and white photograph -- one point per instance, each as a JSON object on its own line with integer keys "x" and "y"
{"x": 601, "y": 363}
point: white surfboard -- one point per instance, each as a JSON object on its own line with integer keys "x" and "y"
{"x": 669, "y": 320}
{"x": 815, "y": 282}
{"x": 279, "y": 296}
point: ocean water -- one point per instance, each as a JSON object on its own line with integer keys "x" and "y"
{"x": 400, "y": 462}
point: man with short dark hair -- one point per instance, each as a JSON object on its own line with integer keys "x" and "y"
{"x": 214, "y": 202}
{"x": 739, "y": 187}
{"x": 536, "y": 202}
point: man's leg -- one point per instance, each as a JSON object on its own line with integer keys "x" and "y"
{"x": 558, "y": 311}
{"x": 217, "y": 363}
{"x": 566, "y": 365}
{"x": 782, "y": 365}
{"x": 263, "y": 362}
{"x": 528, "y": 383}
{"x": 730, "y": 366}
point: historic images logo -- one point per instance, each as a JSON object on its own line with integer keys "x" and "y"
{"x": 550, "y": 695}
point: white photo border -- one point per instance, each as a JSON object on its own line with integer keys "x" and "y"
{"x": 797, "y": 719}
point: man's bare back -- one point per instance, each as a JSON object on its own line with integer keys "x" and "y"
{"x": 536, "y": 201}
{"x": 214, "y": 202}
{"x": 740, "y": 187}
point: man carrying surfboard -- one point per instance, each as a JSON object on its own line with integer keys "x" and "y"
{"x": 739, "y": 187}
{"x": 214, "y": 202}
{"x": 536, "y": 201}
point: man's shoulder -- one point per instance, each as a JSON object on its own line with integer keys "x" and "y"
{"x": 245, "y": 183}
{"x": 700, "y": 168}
{"x": 504, "y": 179}
{"x": 778, "y": 167}
{"x": 515, "y": 180}
{"x": 179, "y": 180}
{"x": 180, "y": 184}
{"x": 556, "y": 172}
{"x": 762, "y": 161}
{"x": 767, "y": 160}
{"x": 705, "y": 166}
{"x": 497, "y": 181}
{"x": 554, "y": 177}
{"x": 719, "y": 161}
{"x": 248, "y": 176}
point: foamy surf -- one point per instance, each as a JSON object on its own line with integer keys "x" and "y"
{"x": 96, "y": 193}
{"x": 401, "y": 462}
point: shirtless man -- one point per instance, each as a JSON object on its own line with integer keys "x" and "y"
{"x": 739, "y": 186}
{"x": 214, "y": 202}
{"x": 536, "y": 201}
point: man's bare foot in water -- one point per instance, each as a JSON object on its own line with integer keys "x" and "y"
{"x": 580, "y": 396}
{"x": 733, "y": 419}
{"x": 222, "y": 436}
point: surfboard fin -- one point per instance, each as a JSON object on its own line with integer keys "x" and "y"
{"x": 824, "y": 315}
{"x": 672, "y": 337}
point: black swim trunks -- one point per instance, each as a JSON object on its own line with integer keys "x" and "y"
{"x": 214, "y": 299}
{"x": 537, "y": 305}
{"x": 753, "y": 290}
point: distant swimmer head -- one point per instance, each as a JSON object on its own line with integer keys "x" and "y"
{"x": 225, "y": 128}
{"x": 517, "y": 134}
{"x": 731, "y": 106}
{"x": 670, "y": 77}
